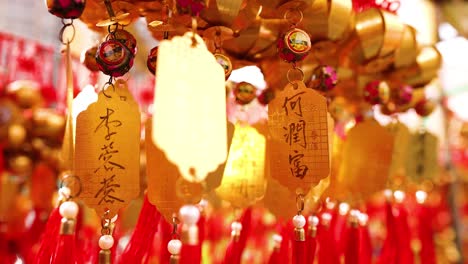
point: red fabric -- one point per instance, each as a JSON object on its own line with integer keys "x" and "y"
{"x": 299, "y": 252}
{"x": 388, "y": 253}
{"x": 236, "y": 248}
{"x": 426, "y": 235}
{"x": 144, "y": 232}
{"x": 404, "y": 251}
{"x": 327, "y": 253}
{"x": 65, "y": 252}
{"x": 49, "y": 238}
{"x": 365, "y": 246}
{"x": 352, "y": 246}
{"x": 311, "y": 248}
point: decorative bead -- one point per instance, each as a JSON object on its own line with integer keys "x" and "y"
{"x": 299, "y": 221}
{"x": 225, "y": 62}
{"x": 189, "y": 214}
{"x": 106, "y": 242}
{"x": 66, "y": 9}
{"x": 294, "y": 45}
{"x": 244, "y": 93}
{"x": 424, "y": 107}
{"x": 313, "y": 220}
{"x": 152, "y": 59}
{"x": 127, "y": 39}
{"x": 68, "y": 209}
{"x": 192, "y": 7}
{"x": 88, "y": 58}
{"x": 174, "y": 246}
{"x": 277, "y": 238}
{"x": 404, "y": 95}
{"x": 377, "y": 92}
{"x": 114, "y": 58}
{"x": 324, "y": 78}
{"x": 236, "y": 226}
{"x": 266, "y": 96}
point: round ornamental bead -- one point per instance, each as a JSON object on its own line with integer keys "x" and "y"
{"x": 152, "y": 59}
{"x": 377, "y": 92}
{"x": 324, "y": 78}
{"x": 114, "y": 58}
{"x": 245, "y": 93}
{"x": 127, "y": 39}
{"x": 299, "y": 221}
{"x": 68, "y": 209}
{"x": 67, "y": 8}
{"x": 313, "y": 220}
{"x": 174, "y": 246}
{"x": 225, "y": 63}
{"x": 189, "y": 214}
{"x": 294, "y": 45}
{"x": 424, "y": 107}
{"x": 236, "y": 226}
{"x": 404, "y": 95}
{"x": 106, "y": 242}
{"x": 266, "y": 96}
{"x": 88, "y": 58}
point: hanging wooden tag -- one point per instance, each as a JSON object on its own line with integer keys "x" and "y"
{"x": 422, "y": 163}
{"x": 297, "y": 119}
{"x": 401, "y": 146}
{"x": 189, "y": 121}
{"x": 367, "y": 155}
{"x": 162, "y": 176}
{"x": 213, "y": 180}
{"x": 107, "y": 159}
{"x": 279, "y": 200}
{"x": 243, "y": 180}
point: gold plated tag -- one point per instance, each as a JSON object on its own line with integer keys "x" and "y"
{"x": 107, "y": 159}
{"x": 367, "y": 155}
{"x": 189, "y": 121}
{"x": 422, "y": 158}
{"x": 401, "y": 146}
{"x": 162, "y": 178}
{"x": 297, "y": 119}
{"x": 244, "y": 175}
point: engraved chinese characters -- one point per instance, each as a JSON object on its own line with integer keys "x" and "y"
{"x": 243, "y": 181}
{"x": 297, "y": 119}
{"x": 422, "y": 157}
{"x": 107, "y": 138}
{"x": 189, "y": 122}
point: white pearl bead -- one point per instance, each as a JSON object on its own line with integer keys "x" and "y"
{"x": 313, "y": 220}
{"x": 189, "y": 214}
{"x": 64, "y": 192}
{"x": 174, "y": 246}
{"x": 299, "y": 221}
{"x": 106, "y": 242}
{"x": 277, "y": 238}
{"x": 68, "y": 210}
{"x": 236, "y": 226}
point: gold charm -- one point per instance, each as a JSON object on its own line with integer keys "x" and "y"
{"x": 107, "y": 138}
{"x": 299, "y": 137}
{"x": 421, "y": 163}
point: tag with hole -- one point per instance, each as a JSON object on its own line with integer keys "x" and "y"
{"x": 107, "y": 162}
{"x": 422, "y": 163}
{"x": 297, "y": 120}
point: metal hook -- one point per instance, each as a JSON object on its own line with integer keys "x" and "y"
{"x": 107, "y": 84}
{"x": 70, "y": 180}
{"x": 300, "y": 203}
{"x": 62, "y": 32}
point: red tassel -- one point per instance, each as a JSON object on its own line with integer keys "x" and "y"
{"x": 299, "y": 252}
{"x": 143, "y": 234}
{"x": 65, "y": 252}
{"x": 191, "y": 254}
{"x": 352, "y": 245}
{"x": 426, "y": 236}
{"x": 365, "y": 245}
{"x": 388, "y": 254}
{"x": 7, "y": 256}
{"x": 404, "y": 251}
{"x": 236, "y": 248}
{"x": 166, "y": 236}
{"x": 327, "y": 253}
{"x": 311, "y": 248}
{"x": 49, "y": 238}
{"x": 284, "y": 253}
